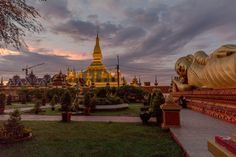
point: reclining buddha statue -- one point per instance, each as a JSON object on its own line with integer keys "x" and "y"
{"x": 218, "y": 70}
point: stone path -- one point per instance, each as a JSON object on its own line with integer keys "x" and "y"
{"x": 125, "y": 119}
{"x": 196, "y": 129}
{"x": 22, "y": 109}
{"x": 109, "y": 107}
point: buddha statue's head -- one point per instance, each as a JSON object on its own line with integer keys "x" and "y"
{"x": 182, "y": 65}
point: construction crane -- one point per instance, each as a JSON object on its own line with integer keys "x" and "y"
{"x": 26, "y": 69}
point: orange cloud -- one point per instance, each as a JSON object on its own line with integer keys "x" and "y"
{"x": 71, "y": 55}
{"x": 5, "y": 52}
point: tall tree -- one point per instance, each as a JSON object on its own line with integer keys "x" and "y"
{"x": 16, "y": 18}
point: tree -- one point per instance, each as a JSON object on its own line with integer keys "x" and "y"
{"x": 17, "y": 17}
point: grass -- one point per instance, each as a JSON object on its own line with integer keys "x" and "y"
{"x": 93, "y": 139}
{"x": 18, "y": 105}
{"x": 133, "y": 110}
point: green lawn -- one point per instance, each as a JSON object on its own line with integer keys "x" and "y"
{"x": 18, "y": 105}
{"x": 133, "y": 110}
{"x": 92, "y": 139}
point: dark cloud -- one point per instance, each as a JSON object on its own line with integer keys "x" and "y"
{"x": 146, "y": 17}
{"x": 92, "y": 17}
{"x": 184, "y": 22}
{"x": 86, "y": 30}
{"x": 124, "y": 36}
{"x": 51, "y": 9}
{"x": 76, "y": 29}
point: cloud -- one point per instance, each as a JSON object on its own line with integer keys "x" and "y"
{"x": 184, "y": 22}
{"x": 92, "y": 17}
{"x": 146, "y": 17}
{"x": 13, "y": 64}
{"x": 70, "y": 55}
{"x": 52, "y": 9}
{"x": 84, "y": 30}
{"x": 124, "y": 36}
{"x": 6, "y": 52}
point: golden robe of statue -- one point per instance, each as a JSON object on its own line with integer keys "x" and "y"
{"x": 218, "y": 70}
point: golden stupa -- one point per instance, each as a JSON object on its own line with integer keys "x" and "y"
{"x": 96, "y": 73}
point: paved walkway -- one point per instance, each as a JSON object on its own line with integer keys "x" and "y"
{"x": 125, "y": 119}
{"x": 22, "y": 109}
{"x": 196, "y": 129}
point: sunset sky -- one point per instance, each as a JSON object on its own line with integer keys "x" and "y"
{"x": 148, "y": 35}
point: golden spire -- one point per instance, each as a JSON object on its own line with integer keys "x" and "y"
{"x": 97, "y": 53}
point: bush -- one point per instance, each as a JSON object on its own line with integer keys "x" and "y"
{"x": 100, "y": 101}
{"x": 115, "y": 100}
{"x": 38, "y": 93}
{"x": 102, "y": 92}
{"x": 25, "y": 95}
{"x": 131, "y": 94}
{"x": 58, "y": 92}
{"x": 2, "y": 100}
{"x": 111, "y": 100}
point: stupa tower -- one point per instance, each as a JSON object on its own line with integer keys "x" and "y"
{"x": 97, "y": 56}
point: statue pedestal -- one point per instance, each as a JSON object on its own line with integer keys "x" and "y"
{"x": 218, "y": 103}
{"x": 219, "y": 150}
{"x": 171, "y": 115}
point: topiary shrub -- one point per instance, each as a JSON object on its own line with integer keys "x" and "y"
{"x": 53, "y": 102}
{"x": 157, "y": 99}
{"x": 37, "y": 106}
{"x": 66, "y": 102}
{"x": 2, "y": 102}
{"x": 87, "y": 99}
{"x": 75, "y": 104}
{"x": 87, "y": 103}
{"x": 9, "y": 100}
{"x": 13, "y": 130}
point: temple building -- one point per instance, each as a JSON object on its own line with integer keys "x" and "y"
{"x": 72, "y": 76}
{"x": 135, "y": 82}
{"x": 59, "y": 80}
{"x": 30, "y": 81}
{"x": 96, "y": 73}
